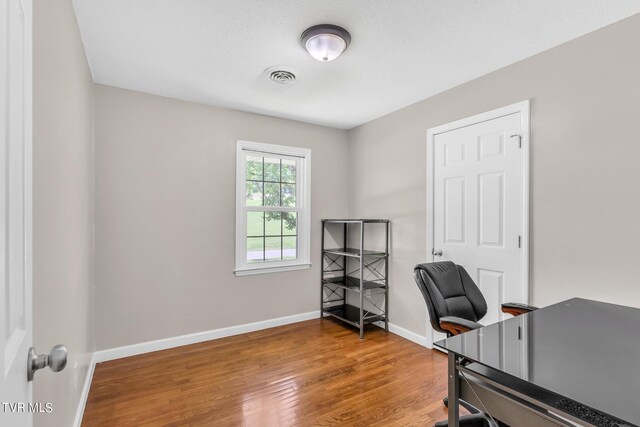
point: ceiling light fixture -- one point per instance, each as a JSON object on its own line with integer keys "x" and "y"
{"x": 325, "y": 42}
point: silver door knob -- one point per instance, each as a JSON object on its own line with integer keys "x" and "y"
{"x": 56, "y": 360}
{"x": 436, "y": 252}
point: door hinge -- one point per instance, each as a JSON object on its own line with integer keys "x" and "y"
{"x": 519, "y": 241}
{"x": 519, "y": 139}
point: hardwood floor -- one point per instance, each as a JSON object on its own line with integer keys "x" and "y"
{"x": 310, "y": 373}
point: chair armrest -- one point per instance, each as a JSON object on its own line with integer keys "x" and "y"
{"x": 516, "y": 309}
{"x": 457, "y": 325}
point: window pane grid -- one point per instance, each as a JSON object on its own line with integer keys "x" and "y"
{"x": 272, "y": 209}
{"x": 268, "y": 182}
{"x": 272, "y": 198}
{"x": 271, "y": 182}
{"x": 271, "y": 236}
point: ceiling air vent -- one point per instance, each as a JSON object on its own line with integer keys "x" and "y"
{"x": 281, "y": 74}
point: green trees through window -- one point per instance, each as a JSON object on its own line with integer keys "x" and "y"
{"x": 271, "y": 233}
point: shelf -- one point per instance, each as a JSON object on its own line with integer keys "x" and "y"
{"x": 351, "y": 314}
{"x": 338, "y": 272}
{"x": 352, "y": 283}
{"x": 355, "y": 253}
{"x": 354, "y": 220}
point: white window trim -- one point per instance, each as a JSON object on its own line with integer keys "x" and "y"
{"x": 303, "y": 261}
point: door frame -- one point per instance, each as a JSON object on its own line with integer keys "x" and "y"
{"x": 523, "y": 108}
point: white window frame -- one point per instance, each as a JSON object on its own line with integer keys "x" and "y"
{"x": 303, "y": 208}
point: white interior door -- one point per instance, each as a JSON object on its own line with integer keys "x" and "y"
{"x": 15, "y": 209}
{"x": 479, "y": 179}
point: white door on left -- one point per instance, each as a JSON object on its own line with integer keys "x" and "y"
{"x": 15, "y": 211}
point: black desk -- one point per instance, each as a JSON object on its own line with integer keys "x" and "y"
{"x": 577, "y": 361}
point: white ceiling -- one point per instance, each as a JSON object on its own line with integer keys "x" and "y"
{"x": 215, "y": 51}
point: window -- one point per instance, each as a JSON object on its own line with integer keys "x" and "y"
{"x": 272, "y": 208}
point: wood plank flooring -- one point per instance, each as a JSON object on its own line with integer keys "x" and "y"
{"x": 313, "y": 373}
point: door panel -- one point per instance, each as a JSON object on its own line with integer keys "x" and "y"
{"x": 491, "y": 209}
{"x": 454, "y": 152}
{"x": 454, "y": 215}
{"x": 15, "y": 210}
{"x": 491, "y": 283}
{"x": 490, "y": 145}
{"x": 478, "y": 206}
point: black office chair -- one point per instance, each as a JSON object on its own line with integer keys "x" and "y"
{"x": 456, "y": 305}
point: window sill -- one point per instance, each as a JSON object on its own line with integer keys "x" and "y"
{"x": 266, "y": 270}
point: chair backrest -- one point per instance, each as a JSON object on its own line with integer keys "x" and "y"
{"x": 448, "y": 290}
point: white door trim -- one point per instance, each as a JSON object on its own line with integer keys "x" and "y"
{"x": 16, "y": 118}
{"x": 520, "y": 107}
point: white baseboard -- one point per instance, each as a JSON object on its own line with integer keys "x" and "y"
{"x": 163, "y": 344}
{"x": 406, "y": 334}
{"x": 411, "y": 336}
{"x": 85, "y": 392}
{"x": 166, "y": 343}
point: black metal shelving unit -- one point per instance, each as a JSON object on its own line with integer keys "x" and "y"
{"x": 361, "y": 272}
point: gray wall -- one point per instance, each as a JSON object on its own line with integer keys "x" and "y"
{"x": 62, "y": 205}
{"x": 165, "y": 215}
{"x": 585, "y": 200}
{"x": 165, "y": 191}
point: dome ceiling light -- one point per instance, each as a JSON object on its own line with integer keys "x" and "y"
{"x": 325, "y": 42}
